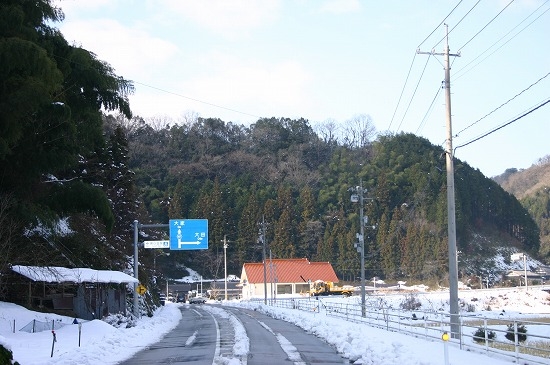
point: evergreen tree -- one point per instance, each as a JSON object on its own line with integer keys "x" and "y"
{"x": 247, "y": 247}
{"x": 284, "y": 245}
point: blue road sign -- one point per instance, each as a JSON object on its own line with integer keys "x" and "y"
{"x": 188, "y": 234}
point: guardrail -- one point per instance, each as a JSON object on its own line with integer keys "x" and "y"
{"x": 507, "y": 338}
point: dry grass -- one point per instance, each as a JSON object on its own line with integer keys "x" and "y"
{"x": 535, "y": 348}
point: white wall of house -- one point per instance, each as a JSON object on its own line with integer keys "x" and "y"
{"x": 257, "y": 290}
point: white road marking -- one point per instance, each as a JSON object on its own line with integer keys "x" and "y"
{"x": 217, "y": 351}
{"x": 290, "y": 350}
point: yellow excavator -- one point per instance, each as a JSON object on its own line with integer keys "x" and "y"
{"x": 320, "y": 287}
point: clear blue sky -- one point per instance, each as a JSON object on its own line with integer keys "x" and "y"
{"x": 239, "y": 60}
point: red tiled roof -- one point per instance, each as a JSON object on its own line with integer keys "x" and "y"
{"x": 289, "y": 271}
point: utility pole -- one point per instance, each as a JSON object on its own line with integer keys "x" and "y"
{"x": 136, "y": 264}
{"x": 263, "y": 239}
{"x": 358, "y": 196}
{"x": 225, "y": 241}
{"x": 451, "y": 223}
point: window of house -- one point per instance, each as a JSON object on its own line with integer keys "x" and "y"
{"x": 284, "y": 289}
{"x": 302, "y": 288}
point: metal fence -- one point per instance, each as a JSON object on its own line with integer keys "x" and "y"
{"x": 516, "y": 340}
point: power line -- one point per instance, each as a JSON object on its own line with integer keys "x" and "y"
{"x": 456, "y": 25}
{"x": 166, "y": 91}
{"x": 505, "y": 124}
{"x": 402, "y": 91}
{"x": 412, "y": 63}
{"x": 458, "y": 74}
{"x": 197, "y": 100}
{"x": 486, "y": 25}
{"x": 414, "y": 93}
{"x": 428, "y": 111}
{"x": 440, "y": 24}
{"x": 506, "y": 102}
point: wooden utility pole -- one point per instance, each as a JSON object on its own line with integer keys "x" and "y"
{"x": 451, "y": 223}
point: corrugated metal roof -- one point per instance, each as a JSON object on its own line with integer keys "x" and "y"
{"x": 289, "y": 271}
{"x": 56, "y": 274}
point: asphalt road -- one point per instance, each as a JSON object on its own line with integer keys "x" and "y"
{"x": 204, "y": 337}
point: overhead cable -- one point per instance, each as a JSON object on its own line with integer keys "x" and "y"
{"x": 460, "y": 73}
{"x": 505, "y": 124}
{"x": 402, "y": 90}
{"x": 428, "y": 111}
{"x": 439, "y": 25}
{"x": 197, "y": 100}
{"x": 506, "y": 102}
{"x": 412, "y": 63}
{"x": 456, "y": 25}
{"x": 414, "y": 93}
{"x": 486, "y": 25}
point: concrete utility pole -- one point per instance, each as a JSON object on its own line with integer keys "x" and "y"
{"x": 225, "y": 241}
{"x": 358, "y": 196}
{"x": 136, "y": 264}
{"x": 263, "y": 239}
{"x": 451, "y": 223}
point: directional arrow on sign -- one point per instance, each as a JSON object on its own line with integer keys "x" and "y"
{"x": 141, "y": 289}
{"x": 180, "y": 243}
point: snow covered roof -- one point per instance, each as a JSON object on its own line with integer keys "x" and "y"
{"x": 56, "y": 274}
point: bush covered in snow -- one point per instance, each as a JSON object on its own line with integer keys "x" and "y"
{"x": 119, "y": 320}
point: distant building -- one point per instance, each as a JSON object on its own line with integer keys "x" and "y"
{"x": 283, "y": 277}
{"x": 543, "y": 271}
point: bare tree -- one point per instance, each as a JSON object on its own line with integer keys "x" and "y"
{"x": 160, "y": 122}
{"x": 188, "y": 118}
{"x": 543, "y": 160}
{"x": 359, "y": 131}
{"x": 327, "y": 131}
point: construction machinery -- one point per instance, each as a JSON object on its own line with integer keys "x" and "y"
{"x": 320, "y": 287}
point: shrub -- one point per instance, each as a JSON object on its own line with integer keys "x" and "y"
{"x": 410, "y": 302}
{"x": 119, "y": 320}
{"x": 479, "y": 335}
{"x": 522, "y": 333}
{"x": 6, "y": 357}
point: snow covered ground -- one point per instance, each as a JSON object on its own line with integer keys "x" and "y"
{"x": 101, "y": 343}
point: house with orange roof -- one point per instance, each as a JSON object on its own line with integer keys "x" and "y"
{"x": 283, "y": 277}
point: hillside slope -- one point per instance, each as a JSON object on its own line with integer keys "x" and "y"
{"x": 532, "y": 188}
{"x": 526, "y": 182}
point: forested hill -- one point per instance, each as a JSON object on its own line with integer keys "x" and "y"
{"x": 73, "y": 180}
{"x": 299, "y": 181}
{"x": 532, "y": 187}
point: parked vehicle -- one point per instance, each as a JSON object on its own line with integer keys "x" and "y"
{"x": 320, "y": 287}
{"x": 197, "y": 300}
{"x": 180, "y": 298}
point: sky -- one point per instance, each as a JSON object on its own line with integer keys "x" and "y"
{"x": 336, "y": 60}
{"x": 101, "y": 343}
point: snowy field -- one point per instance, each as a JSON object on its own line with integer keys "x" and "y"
{"x": 101, "y": 343}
